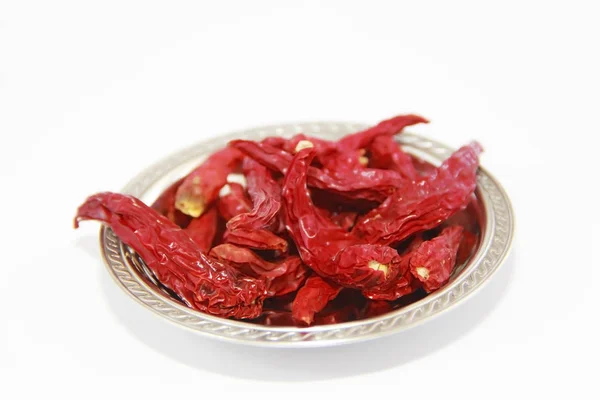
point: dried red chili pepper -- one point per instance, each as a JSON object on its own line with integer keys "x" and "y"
{"x": 265, "y": 193}
{"x": 376, "y": 308}
{"x": 312, "y": 298}
{"x": 248, "y": 262}
{"x": 433, "y": 261}
{"x": 260, "y": 239}
{"x": 234, "y": 203}
{"x": 425, "y": 203}
{"x": 165, "y": 205}
{"x": 366, "y": 183}
{"x": 346, "y": 313}
{"x": 201, "y": 282}
{"x": 281, "y": 277}
{"x": 202, "y": 230}
{"x": 388, "y": 127}
{"x": 201, "y": 187}
{"x": 386, "y": 153}
{"x": 324, "y": 246}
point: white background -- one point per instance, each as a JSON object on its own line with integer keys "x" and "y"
{"x": 92, "y": 92}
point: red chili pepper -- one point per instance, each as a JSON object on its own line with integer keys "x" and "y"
{"x": 234, "y": 203}
{"x": 165, "y": 205}
{"x": 367, "y": 183}
{"x": 325, "y": 247}
{"x": 425, "y": 203}
{"x": 203, "y": 229}
{"x": 312, "y": 298}
{"x": 433, "y": 261}
{"x": 265, "y": 193}
{"x": 281, "y": 277}
{"x": 386, "y": 153}
{"x": 376, "y": 308}
{"x": 403, "y": 284}
{"x": 389, "y": 127}
{"x": 260, "y": 239}
{"x": 201, "y": 282}
{"x": 201, "y": 187}
{"x": 248, "y": 262}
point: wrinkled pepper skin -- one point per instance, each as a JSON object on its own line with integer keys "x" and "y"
{"x": 386, "y": 153}
{"x": 426, "y": 203}
{"x": 363, "y": 183}
{"x": 433, "y": 261}
{"x": 234, "y": 203}
{"x": 403, "y": 284}
{"x": 260, "y": 239}
{"x": 201, "y": 186}
{"x": 281, "y": 277}
{"x": 312, "y": 298}
{"x": 265, "y": 194}
{"x": 388, "y": 127}
{"x": 325, "y": 247}
{"x": 178, "y": 263}
{"x": 165, "y": 205}
{"x": 202, "y": 230}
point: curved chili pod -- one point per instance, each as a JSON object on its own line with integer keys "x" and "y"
{"x": 388, "y": 127}
{"x": 201, "y": 282}
{"x": 425, "y": 203}
{"x": 433, "y": 261}
{"x": 234, "y": 203}
{"x": 386, "y": 153}
{"x": 325, "y": 247}
{"x": 312, "y": 298}
{"x": 403, "y": 284}
{"x": 202, "y": 230}
{"x": 265, "y": 193}
{"x": 281, "y": 277}
{"x": 201, "y": 186}
{"x": 364, "y": 183}
{"x": 165, "y": 205}
{"x": 259, "y": 239}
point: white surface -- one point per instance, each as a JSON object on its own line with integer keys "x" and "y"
{"x": 92, "y": 92}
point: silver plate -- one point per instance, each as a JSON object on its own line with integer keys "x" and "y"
{"x": 496, "y": 221}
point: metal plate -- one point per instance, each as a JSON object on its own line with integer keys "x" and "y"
{"x": 496, "y": 222}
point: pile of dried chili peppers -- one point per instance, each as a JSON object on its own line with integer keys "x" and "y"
{"x": 321, "y": 232}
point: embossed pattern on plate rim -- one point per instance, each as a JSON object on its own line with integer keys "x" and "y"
{"x": 495, "y": 245}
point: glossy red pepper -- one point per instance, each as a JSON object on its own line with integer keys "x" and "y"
{"x": 201, "y": 187}
{"x": 386, "y": 153}
{"x": 265, "y": 193}
{"x": 364, "y": 183}
{"x": 325, "y": 247}
{"x": 426, "y": 203}
{"x": 281, "y": 277}
{"x": 177, "y": 262}
{"x": 234, "y": 203}
{"x": 433, "y": 261}
{"x": 260, "y": 239}
{"x": 165, "y": 205}
{"x": 312, "y": 298}
{"x": 203, "y": 229}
